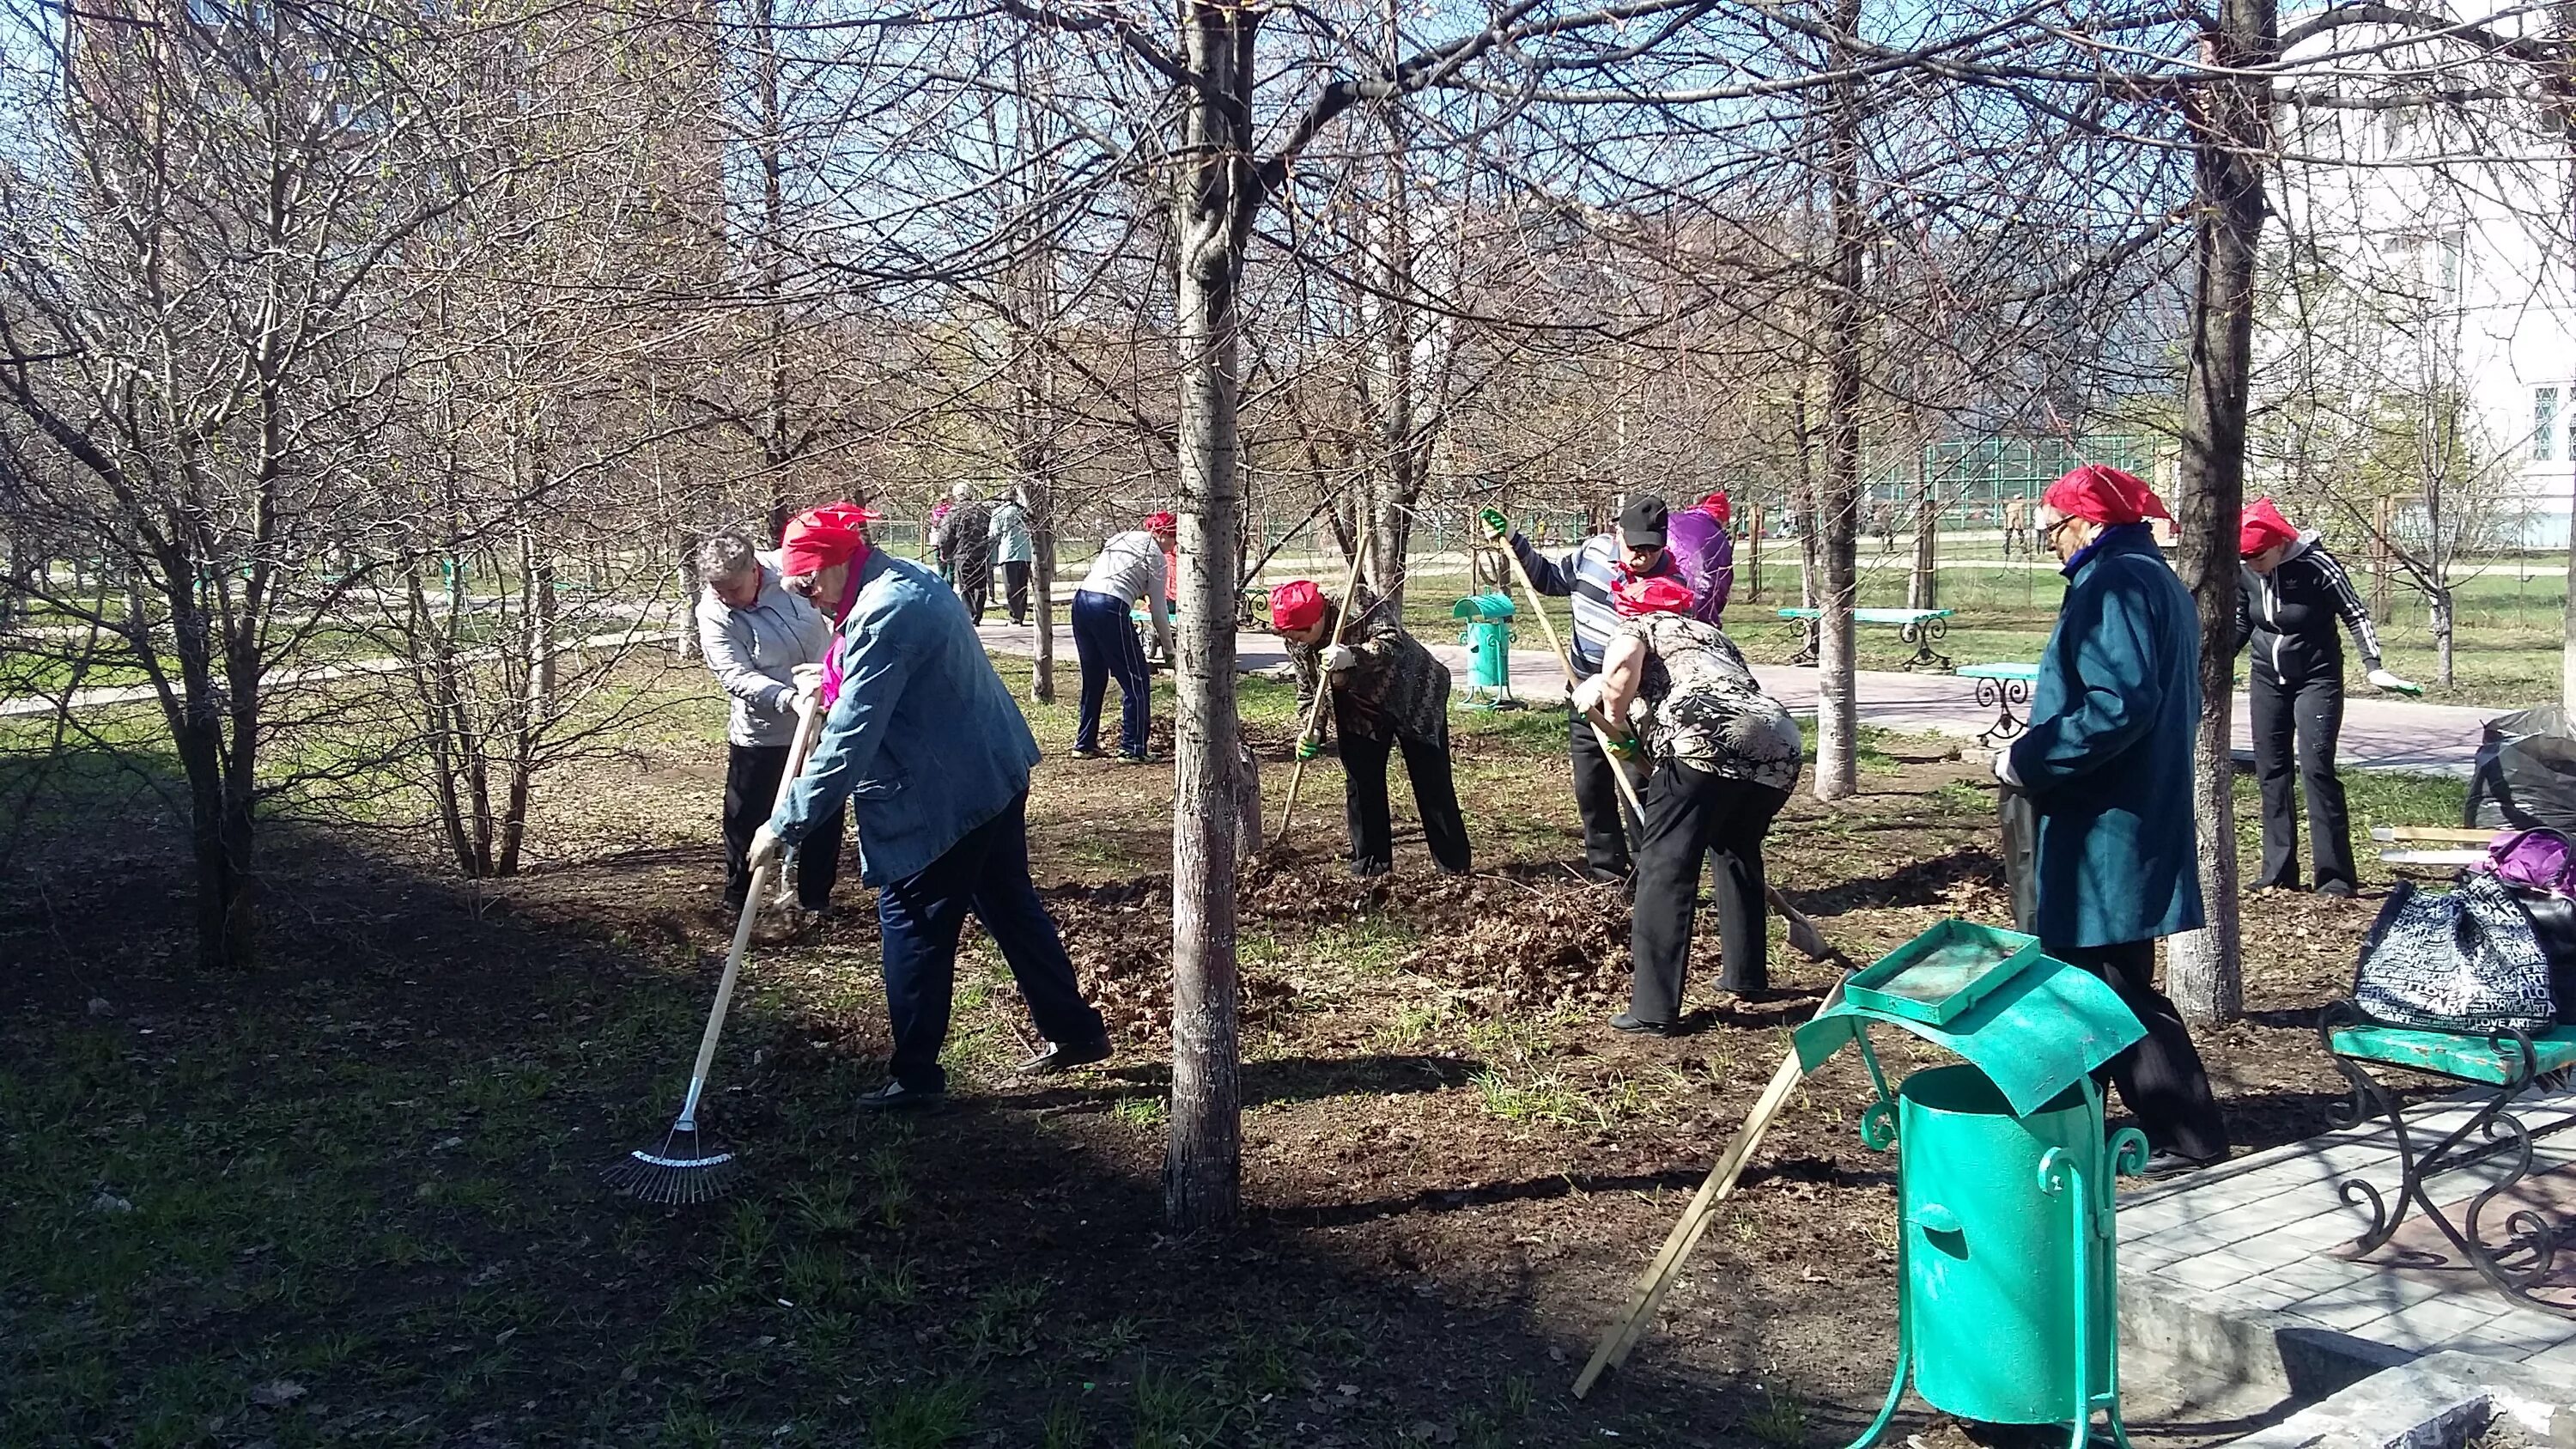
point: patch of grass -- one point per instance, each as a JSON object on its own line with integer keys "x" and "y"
{"x": 1142, "y": 1113}
{"x": 923, "y": 1417}
{"x": 1174, "y": 1411}
{"x": 1064, "y": 1427}
{"x": 891, "y": 1284}
{"x": 1004, "y": 1320}
{"x": 1371, "y": 943}
{"x": 1778, "y": 1421}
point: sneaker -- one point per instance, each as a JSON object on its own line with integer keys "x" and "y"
{"x": 894, "y": 1096}
{"x": 1088, "y": 752}
{"x": 1065, "y": 1056}
{"x": 1145, "y": 758}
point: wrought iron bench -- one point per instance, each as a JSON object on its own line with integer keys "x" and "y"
{"x": 1918, "y": 627}
{"x": 2002, "y": 687}
{"x": 2510, "y": 1062}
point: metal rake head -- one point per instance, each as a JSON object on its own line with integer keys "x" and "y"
{"x": 678, "y": 1173}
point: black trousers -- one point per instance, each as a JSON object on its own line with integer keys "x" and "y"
{"x": 751, "y": 792}
{"x": 2161, "y": 1080}
{"x": 1606, "y": 821}
{"x": 1691, "y": 813}
{"x": 1015, "y": 585}
{"x": 1435, "y": 795}
{"x": 2296, "y": 722}
{"x": 975, "y": 580}
{"x": 918, "y": 921}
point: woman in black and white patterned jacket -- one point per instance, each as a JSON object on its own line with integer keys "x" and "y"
{"x": 1726, "y": 755}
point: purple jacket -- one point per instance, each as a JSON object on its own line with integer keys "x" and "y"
{"x": 1707, "y": 557}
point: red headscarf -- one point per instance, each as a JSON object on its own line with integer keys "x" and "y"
{"x": 821, "y": 537}
{"x": 1296, "y": 604}
{"x": 2263, "y": 527}
{"x": 1653, "y": 594}
{"x": 1161, "y": 523}
{"x": 2104, "y": 494}
{"x": 1717, "y": 506}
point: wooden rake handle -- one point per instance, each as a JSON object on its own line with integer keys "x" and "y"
{"x": 808, "y": 723}
{"x": 1323, "y": 690}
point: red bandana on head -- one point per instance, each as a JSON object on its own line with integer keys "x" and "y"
{"x": 1717, "y": 506}
{"x": 1161, "y": 523}
{"x": 1654, "y": 594}
{"x": 821, "y": 537}
{"x": 1296, "y": 604}
{"x": 2263, "y": 527}
{"x": 2105, "y": 495}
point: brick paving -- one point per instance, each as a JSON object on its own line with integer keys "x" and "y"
{"x": 2257, "y": 1239}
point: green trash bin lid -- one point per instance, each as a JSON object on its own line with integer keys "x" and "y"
{"x": 2035, "y": 1025}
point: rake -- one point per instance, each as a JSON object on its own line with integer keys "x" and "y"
{"x": 680, "y": 1169}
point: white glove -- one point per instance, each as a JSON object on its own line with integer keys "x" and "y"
{"x": 1341, "y": 657}
{"x": 1587, "y": 694}
{"x": 765, "y": 847}
{"x": 2004, "y": 771}
{"x": 2382, "y": 679}
{"x": 808, "y": 678}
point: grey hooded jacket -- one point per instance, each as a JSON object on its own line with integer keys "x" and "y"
{"x": 754, "y": 652}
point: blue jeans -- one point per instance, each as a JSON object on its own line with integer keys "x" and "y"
{"x": 919, "y": 917}
{"x": 1105, "y": 640}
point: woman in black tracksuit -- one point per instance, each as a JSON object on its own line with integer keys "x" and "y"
{"x": 2292, "y": 597}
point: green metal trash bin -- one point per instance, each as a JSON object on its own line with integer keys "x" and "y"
{"x": 2007, "y": 1290}
{"x": 1489, "y": 647}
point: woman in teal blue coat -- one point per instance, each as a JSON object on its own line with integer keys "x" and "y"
{"x": 2106, "y": 765}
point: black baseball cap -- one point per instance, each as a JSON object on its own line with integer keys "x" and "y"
{"x": 1644, "y": 522}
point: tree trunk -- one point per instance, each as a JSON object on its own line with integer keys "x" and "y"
{"x": 1202, "y": 1171}
{"x": 1837, "y": 670}
{"x": 2444, "y": 615}
{"x": 2567, "y": 653}
{"x": 1923, "y": 591}
{"x": 2229, "y": 128}
{"x": 1041, "y": 512}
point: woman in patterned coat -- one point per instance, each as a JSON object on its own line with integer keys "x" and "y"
{"x": 1726, "y": 755}
{"x": 1389, "y": 693}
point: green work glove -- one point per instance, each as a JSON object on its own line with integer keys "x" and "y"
{"x": 1497, "y": 527}
{"x": 1625, "y": 749}
{"x": 1308, "y": 749}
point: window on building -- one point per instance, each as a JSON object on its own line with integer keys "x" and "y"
{"x": 2450, "y": 251}
{"x": 2544, "y": 423}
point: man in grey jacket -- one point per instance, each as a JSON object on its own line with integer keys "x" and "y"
{"x": 756, "y": 636}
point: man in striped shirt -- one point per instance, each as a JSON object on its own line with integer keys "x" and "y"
{"x": 1587, "y": 572}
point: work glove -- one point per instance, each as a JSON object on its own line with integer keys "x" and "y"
{"x": 1496, "y": 526}
{"x": 2382, "y": 679}
{"x": 1341, "y": 657}
{"x": 2003, "y": 768}
{"x": 765, "y": 847}
{"x": 1308, "y": 749}
{"x": 808, "y": 678}
{"x": 1587, "y": 695}
{"x": 1623, "y": 747}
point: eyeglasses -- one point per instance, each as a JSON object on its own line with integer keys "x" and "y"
{"x": 2049, "y": 534}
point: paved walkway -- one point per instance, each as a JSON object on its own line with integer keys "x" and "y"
{"x": 2254, "y": 1241}
{"x": 2379, "y": 733}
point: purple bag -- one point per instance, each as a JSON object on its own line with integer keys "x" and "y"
{"x": 2534, "y": 860}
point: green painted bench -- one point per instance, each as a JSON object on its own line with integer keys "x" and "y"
{"x": 2002, "y": 688}
{"x": 2511, "y": 1062}
{"x": 1918, "y": 627}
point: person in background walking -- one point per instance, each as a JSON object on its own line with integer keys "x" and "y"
{"x": 1129, "y": 567}
{"x": 2290, "y": 597}
{"x": 1388, "y": 693}
{"x": 1706, "y": 554}
{"x": 1725, "y": 757}
{"x": 1587, "y": 572}
{"x": 756, "y": 636}
{"x": 943, "y": 546}
{"x": 1009, "y": 532}
{"x": 925, "y": 737}
{"x": 970, "y": 524}
{"x": 2016, "y": 526}
{"x": 2105, "y": 765}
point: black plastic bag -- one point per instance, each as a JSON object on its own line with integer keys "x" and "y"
{"x": 2526, "y": 773}
{"x": 2553, "y": 920}
{"x": 2020, "y": 821}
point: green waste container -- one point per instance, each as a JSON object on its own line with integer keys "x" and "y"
{"x": 1489, "y": 648}
{"x": 2007, "y": 1289}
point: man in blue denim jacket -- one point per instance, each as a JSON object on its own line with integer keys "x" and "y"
{"x": 927, "y": 741}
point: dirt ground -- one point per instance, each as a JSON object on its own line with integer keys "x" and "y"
{"x": 361, "y": 1199}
